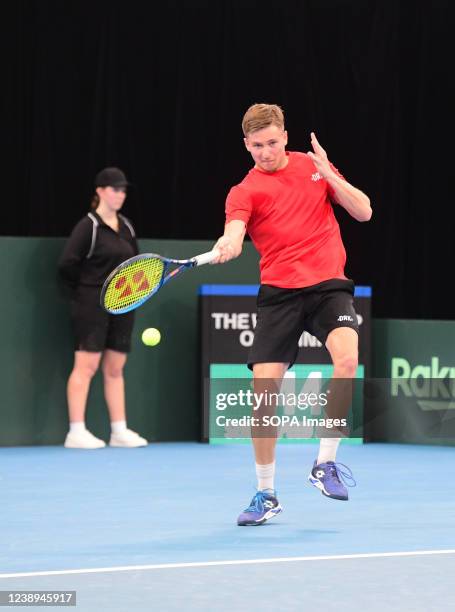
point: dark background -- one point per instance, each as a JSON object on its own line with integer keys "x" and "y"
{"x": 160, "y": 90}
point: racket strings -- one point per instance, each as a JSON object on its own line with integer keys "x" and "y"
{"x": 133, "y": 282}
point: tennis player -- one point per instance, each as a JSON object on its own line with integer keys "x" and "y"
{"x": 285, "y": 202}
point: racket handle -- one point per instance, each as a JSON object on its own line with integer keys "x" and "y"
{"x": 206, "y": 258}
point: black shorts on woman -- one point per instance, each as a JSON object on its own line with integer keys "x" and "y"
{"x": 95, "y": 330}
{"x": 284, "y": 314}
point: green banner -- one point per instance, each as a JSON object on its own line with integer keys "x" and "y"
{"x": 416, "y": 362}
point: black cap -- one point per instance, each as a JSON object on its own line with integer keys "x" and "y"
{"x": 111, "y": 177}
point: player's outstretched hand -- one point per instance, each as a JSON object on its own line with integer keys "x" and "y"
{"x": 226, "y": 249}
{"x": 319, "y": 157}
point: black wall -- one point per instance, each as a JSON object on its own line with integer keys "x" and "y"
{"x": 160, "y": 90}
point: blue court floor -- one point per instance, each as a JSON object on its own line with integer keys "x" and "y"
{"x": 155, "y": 529}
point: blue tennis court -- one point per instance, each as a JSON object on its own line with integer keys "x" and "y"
{"x": 155, "y": 529}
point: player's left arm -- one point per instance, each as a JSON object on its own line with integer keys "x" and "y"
{"x": 349, "y": 197}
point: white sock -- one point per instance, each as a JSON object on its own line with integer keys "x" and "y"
{"x": 118, "y": 426}
{"x": 77, "y": 427}
{"x": 265, "y": 474}
{"x": 328, "y": 449}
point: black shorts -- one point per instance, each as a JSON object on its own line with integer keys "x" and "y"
{"x": 94, "y": 329}
{"x": 284, "y": 314}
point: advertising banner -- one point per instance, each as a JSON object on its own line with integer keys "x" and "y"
{"x": 228, "y": 320}
{"x": 412, "y": 398}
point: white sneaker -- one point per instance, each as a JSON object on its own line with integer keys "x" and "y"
{"x": 127, "y": 438}
{"x": 83, "y": 439}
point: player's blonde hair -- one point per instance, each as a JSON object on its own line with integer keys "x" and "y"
{"x": 260, "y": 116}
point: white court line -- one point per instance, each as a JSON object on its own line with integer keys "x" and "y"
{"x": 134, "y": 568}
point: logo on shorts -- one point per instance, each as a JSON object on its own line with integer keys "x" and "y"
{"x": 345, "y": 318}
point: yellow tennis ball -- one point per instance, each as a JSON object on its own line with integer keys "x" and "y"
{"x": 151, "y": 336}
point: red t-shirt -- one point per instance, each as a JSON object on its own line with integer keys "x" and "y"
{"x": 291, "y": 222}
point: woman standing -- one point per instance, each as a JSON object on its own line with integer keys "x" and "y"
{"x": 98, "y": 243}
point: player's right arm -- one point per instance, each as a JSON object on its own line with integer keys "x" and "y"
{"x": 231, "y": 242}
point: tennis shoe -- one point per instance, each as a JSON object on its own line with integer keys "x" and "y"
{"x": 331, "y": 480}
{"x": 127, "y": 439}
{"x": 263, "y": 507}
{"x": 83, "y": 439}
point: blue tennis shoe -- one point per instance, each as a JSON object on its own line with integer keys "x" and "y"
{"x": 331, "y": 480}
{"x": 263, "y": 507}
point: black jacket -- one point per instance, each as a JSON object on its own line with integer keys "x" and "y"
{"x": 93, "y": 250}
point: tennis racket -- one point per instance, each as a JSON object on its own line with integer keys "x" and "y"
{"x": 135, "y": 280}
